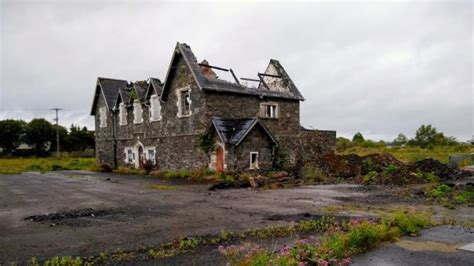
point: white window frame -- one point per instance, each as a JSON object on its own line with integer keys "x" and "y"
{"x": 256, "y": 164}
{"x": 103, "y": 117}
{"x": 155, "y": 108}
{"x": 129, "y": 159}
{"x": 137, "y": 112}
{"x": 122, "y": 114}
{"x": 273, "y": 111}
{"x": 178, "y": 94}
{"x": 147, "y": 154}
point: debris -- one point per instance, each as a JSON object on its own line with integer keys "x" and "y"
{"x": 59, "y": 216}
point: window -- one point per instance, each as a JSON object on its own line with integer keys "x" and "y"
{"x": 130, "y": 156}
{"x": 122, "y": 114}
{"x": 137, "y": 112}
{"x": 269, "y": 110}
{"x": 151, "y": 156}
{"x": 184, "y": 102}
{"x": 103, "y": 117}
{"x": 155, "y": 108}
{"x": 253, "y": 160}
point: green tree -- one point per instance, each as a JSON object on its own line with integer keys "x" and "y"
{"x": 358, "y": 138}
{"x": 64, "y": 143}
{"x": 11, "y": 134}
{"x": 80, "y": 138}
{"x": 40, "y": 134}
{"x": 400, "y": 140}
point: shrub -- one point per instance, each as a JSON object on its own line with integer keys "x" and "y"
{"x": 391, "y": 169}
{"x": 409, "y": 222}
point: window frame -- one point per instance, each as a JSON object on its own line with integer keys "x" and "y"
{"x": 264, "y": 110}
{"x": 123, "y": 114}
{"x": 103, "y": 117}
{"x": 251, "y": 167}
{"x": 155, "y": 99}
{"x": 179, "y": 93}
{"x": 138, "y": 104}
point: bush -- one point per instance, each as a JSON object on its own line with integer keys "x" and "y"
{"x": 409, "y": 222}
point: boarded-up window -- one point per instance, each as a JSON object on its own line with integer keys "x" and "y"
{"x": 137, "y": 112}
{"x": 269, "y": 110}
{"x": 103, "y": 117}
{"x": 122, "y": 114}
{"x": 155, "y": 108}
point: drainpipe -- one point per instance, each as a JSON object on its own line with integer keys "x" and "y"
{"x": 114, "y": 138}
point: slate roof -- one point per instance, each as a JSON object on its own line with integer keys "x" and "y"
{"x": 155, "y": 86}
{"x": 124, "y": 95}
{"x": 140, "y": 91}
{"x": 233, "y": 131}
{"x": 109, "y": 88}
{"x": 230, "y": 87}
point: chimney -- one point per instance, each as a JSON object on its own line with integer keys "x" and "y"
{"x": 207, "y": 71}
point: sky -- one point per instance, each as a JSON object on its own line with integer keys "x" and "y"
{"x": 378, "y": 67}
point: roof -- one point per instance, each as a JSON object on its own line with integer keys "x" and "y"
{"x": 155, "y": 86}
{"x": 109, "y": 89}
{"x": 225, "y": 86}
{"x": 234, "y": 131}
{"x": 123, "y": 96}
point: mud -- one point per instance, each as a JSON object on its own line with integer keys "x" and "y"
{"x": 137, "y": 216}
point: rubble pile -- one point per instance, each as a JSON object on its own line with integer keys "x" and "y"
{"x": 384, "y": 169}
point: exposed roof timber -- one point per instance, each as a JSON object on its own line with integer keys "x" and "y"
{"x": 215, "y": 67}
{"x": 269, "y": 75}
{"x": 249, "y": 79}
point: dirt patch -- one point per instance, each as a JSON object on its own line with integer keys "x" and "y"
{"x": 59, "y": 217}
{"x": 427, "y": 246}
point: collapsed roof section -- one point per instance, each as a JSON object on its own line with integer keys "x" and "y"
{"x": 274, "y": 82}
{"x": 234, "y": 131}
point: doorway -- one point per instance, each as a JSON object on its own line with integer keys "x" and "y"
{"x": 220, "y": 159}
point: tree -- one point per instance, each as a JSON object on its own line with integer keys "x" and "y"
{"x": 40, "y": 134}
{"x": 80, "y": 138}
{"x": 11, "y": 134}
{"x": 400, "y": 140}
{"x": 64, "y": 143}
{"x": 428, "y": 136}
{"x": 358, "y": 138}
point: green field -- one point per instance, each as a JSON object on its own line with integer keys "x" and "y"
{"x": 18, "y": 165}
{"x": 412, "y": 154}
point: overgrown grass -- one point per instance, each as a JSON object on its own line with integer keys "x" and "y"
{"x": 337, "y": 244}
{"x": 19, "y": 165}
{"x": 449, "y": 196}
{"x": 412, "y": 154}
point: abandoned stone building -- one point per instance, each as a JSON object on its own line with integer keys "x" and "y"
{"x": 202, "y": 116}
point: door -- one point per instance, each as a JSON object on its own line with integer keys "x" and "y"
{"x": 140, "y": 156}
{"x": 220, "y": 159}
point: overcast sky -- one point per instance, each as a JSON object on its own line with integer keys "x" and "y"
{"x": 376, "y": 67}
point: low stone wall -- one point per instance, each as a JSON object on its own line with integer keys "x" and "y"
{"x": 461, "y": 160}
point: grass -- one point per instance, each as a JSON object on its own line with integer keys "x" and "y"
{"x": 163, "y": 187}
{"x": 336, "y": 245}
{"x": 19, "y": 165}
{"x": 412, "y": 154}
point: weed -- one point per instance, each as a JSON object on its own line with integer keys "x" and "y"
{"x": 391, "y": 169}
{"x": 369, "y": 178}
{"x": 163, "y": 187}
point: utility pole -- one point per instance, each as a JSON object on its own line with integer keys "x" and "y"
{"x": 57, "y": 130}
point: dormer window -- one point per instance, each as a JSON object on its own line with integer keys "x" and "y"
{"x": 184, "y": 102}
{"x": 137, "y": 112}
{"x": 155, "y": 108}
{"x": 122, "y": 114}
{"x": 103, "y": 117}
{"x": 269, "y": 110}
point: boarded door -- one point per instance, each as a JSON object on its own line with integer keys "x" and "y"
{"x": 220, "y": 159}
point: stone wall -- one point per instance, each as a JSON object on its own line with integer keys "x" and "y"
{"x": 226, "y": 105}
{"x": 256, "y": 141}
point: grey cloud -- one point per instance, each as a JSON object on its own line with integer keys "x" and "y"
{"x": 378, "y": 68}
